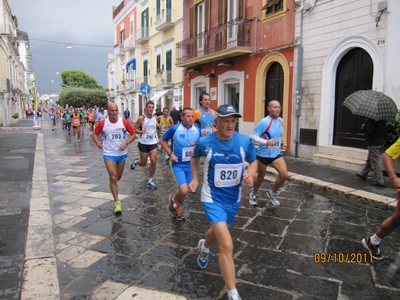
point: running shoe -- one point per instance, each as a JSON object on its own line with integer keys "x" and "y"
{"x": 252, "y": 199}
{"x": 235, "y": 296}
{"x": 166, "y": 157}
{"x": 175, "y": 211}
{"x": 148, "y": 160}
{"x": 78, "y": 140}
{"x": 202, "y": 259}
{"x": 152, "y": 185}
{"x": 133, "y": 164}
{"x": 117, "y": 208}
{"x": 273, "y": 197}
{"x": 373, "y": 249}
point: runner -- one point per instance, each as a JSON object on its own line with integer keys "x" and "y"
{"x": 146, "y": 126}
{"x": 114, "y": 147}
{"x": 67, "y": 120}
{"x": 164, "y": 122}
{"x": 204, "y": 116}
{"x": 76, "y": 123}
{"x": 82, "y": 112}
{"x": 268, "y": 133}
{"x": 184, "y": 137}
{"x": 52, "y": 116}
{"x": 91, "y": 119}
{"x": 372, "y": 243}
{"x": 225, "y": 153}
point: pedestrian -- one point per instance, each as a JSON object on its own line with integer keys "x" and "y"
{"x": 225, "y": 153}
{"x": 115, "y": 147}
{"x": 268, "y": 133}
{"x": 375, "y": 137}
{"x": 184, "y": 137}
{"x": 76, "y": 123}
{"x": 372, "y": 243}
{"x": 127, "y": 114}
{"x": 175, "y": 115}
{"x": 146, "y": 127}
{"x": 204, "y": 116}
{"x": 164, "y": 122}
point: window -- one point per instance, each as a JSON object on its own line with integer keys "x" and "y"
{"x": 272, "y": 7}
{"x": 145, "y": 23}
{"x": 131, "y": 27}
{"x": 158, "y": 7}
{"x": 158, "y": 63}
{"x": 122, "y": 36}
{"x": 168, "y": 65}
{"x": 232, "y": 15}
{"x": 200, "y": 22}
{"x": 145, "y": 71}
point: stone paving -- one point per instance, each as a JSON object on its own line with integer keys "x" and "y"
{"x": 278, "y": 252}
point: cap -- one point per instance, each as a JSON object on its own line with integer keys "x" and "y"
{"x": 226, "y": 110}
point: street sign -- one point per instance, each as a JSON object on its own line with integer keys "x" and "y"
{"x": 145, "y": 89}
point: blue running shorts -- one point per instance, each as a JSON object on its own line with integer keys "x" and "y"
{"x": 220, "y": 212}
{"x": 117, "y": 159}
{"x": 182, "y": 173}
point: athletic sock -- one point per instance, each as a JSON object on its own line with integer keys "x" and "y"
{"x": 375, "y": 240}
{"x": 204, "y": 249}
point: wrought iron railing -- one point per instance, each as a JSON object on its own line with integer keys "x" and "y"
{"x": 232, "y": 34}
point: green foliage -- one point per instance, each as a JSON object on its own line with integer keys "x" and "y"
{"x": 76, "y": 78}
{"x": 99, "y": 102}
{"x": 15, "y": 116}
{"x": 393, "y": 131}
{"x": 78, "y": 97}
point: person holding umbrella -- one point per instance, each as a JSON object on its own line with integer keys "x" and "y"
{"x": 375, "y": 137}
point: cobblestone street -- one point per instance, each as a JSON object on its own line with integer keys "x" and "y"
{"x": 278, "y": 252}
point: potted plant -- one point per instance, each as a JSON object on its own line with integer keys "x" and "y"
{"x": 159, "y": 71}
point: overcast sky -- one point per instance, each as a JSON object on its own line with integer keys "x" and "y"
{"x": 74, "y": 21}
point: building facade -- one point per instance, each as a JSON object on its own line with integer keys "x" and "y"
{"x": 241, "y": 52}
{"x": 15, "y": 74}
{"x": 142, "y": 67}
{"x": 348, "y": 45}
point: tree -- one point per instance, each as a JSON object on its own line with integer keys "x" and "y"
{"x": 76, "y": 78}
{"x": 78, "y": 97}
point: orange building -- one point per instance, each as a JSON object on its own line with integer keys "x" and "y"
{"x": 241, "y": 52}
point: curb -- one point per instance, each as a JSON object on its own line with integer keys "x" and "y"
{"x": 359, "y": 196}
{"x": 20, "y": 128}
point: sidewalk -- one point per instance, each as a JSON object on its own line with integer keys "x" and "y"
{"x": 76, "y": 249}
{"x": 339, "y": 181}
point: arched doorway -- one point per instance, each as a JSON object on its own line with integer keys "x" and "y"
{"x": 354, "y": 72}
{"x": 274, "y": 86}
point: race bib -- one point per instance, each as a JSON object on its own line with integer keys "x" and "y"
{"x": 207, "y": 131}
{"x": 164, "y": 128}
{"x": 187, "y": 153}
{"x": 226, "y": 175}
{"x": 115, "y": 136}
{"x": 76, "y": 121}
{"x": 276, "y": 145}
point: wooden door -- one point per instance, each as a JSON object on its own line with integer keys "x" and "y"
{"x": 274, "y": 86}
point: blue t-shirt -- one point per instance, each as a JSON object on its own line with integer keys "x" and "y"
{"x": 224, "y": 166}
{"x": 269, "y": 129}
{"x": 206, "y": 121}
{"x": 184, "y": 141}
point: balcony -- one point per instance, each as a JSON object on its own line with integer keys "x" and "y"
{"x": 164, "y": 20}
{"x": 142, "y": 35}
{"x": 119, "y": 50}
{"x": 226, "y": 41}
{"x": 129, "y": 43}
{"x": 29, "y": 57}
{"x": 164, "y": 78}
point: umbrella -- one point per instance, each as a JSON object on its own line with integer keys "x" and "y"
{"x": 371, "y": 104}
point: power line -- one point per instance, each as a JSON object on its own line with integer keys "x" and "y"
{"x": 75, "y": 44}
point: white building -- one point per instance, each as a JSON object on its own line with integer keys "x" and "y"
{"x": 348, "y": 45}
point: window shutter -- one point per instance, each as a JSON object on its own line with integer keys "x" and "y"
{"x": 192, "y": 21}
{"x": 222, "y": 13}
{"x": 206, "y": 15}
{"x": 242, "y": 9}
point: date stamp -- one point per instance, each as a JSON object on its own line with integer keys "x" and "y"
{"x": 341, "y": 257}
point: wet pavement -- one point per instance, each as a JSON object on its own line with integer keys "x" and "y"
{"x": 279, "y": 252}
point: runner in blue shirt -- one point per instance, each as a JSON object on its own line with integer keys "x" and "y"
{"x": 268, "y": 133}
{"x": 184, "y": 136}
{"x": 226, "y": 152}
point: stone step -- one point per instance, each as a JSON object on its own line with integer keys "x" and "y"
{"x": 340, "y": 162}
{"x": 346, "y": 152}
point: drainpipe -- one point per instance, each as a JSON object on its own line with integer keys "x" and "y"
{"x": 299, "y": 81}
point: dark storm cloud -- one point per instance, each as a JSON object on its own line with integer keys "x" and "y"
{"x": 75, "y": 21}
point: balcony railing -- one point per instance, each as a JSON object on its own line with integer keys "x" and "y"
{"x": 165, "y": 77}
{"x": 142, "y": 34}
{"x": 129, "y": 43}
{"x": 235, "y": 33}
{"x": 164, "y": 20}
{"x": 119, "y": 50}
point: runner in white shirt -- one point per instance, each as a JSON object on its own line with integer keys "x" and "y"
{"x": 146, "y": 128}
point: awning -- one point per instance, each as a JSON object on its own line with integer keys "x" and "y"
{"x": 159, "y": 94}
{"x": 270, "y": 3}
{"x": 131, "y": 62}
